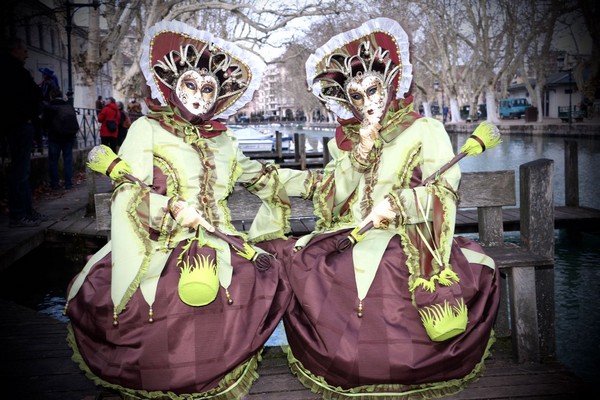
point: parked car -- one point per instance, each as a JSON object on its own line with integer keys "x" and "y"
{"x": 513, "y": 108}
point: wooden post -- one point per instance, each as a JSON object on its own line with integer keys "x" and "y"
{"x": 491, "y": 225}
{"x": 326, "y": 155}
{"x": 502, "y": 327}
{"x": 90, "y": 179}
{"x": 302, "y": 150}
{"x": 296, "y": 147}
{"x": 102, "y": 212}
{"x": 537, "y": 206}
{"x": 571, "y": 174}
{"x": 454, "y": 141}
{"x": 537, "y": 236}
{"x": 523, "y": 311}
{"x": 279, "y": 146}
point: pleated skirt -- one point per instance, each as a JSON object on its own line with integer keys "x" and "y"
{"x": 211, "y": 349}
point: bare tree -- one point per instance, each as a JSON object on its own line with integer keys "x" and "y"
{"x": 298, "y": 51}
{"x": 440, "y": 54}
{"x": 540, "y": 55}
{"x": 116, "y": 28}
{"x": 590, "y": 13}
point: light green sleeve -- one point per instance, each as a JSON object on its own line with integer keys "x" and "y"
{"x": 435, "y": 203}
{"x": 272, "y": 218}
{"x": 137, "y": 150}
{"x": 436, "y": 150}
{"x": 336, "y": 189}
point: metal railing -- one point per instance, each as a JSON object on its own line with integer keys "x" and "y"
{"x": 89, "y": 128}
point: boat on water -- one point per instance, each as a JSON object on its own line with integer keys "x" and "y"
{"x": 252, "y": 140}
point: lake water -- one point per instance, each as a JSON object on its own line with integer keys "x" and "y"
{"x": 39, "y": 280}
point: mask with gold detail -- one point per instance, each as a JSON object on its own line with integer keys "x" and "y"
{"x": 360, "y": 72}
{"x": 203, "y": 76}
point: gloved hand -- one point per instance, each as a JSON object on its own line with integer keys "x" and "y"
{"x": 381, "y": 215}
{"x": 368, "y": 133}
{"x": 189, "y": 217}
{"x": 120, "y": 169}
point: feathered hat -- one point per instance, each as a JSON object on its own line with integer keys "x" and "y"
{"x": 171, "y": 48}
{"x": 379, "y": 46}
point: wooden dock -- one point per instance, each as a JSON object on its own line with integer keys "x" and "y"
{"x": 36, "y": 365}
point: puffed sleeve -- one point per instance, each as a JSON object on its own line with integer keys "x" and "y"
{"x": 435, "y": 202}
{"x": 273, "y": 186}
{"x": 337, "y": 187}
{"x": 151, "y": 208}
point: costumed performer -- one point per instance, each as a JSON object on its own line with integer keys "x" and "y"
{"x": 408, "y": 311}
{"x": 167, "y": 309}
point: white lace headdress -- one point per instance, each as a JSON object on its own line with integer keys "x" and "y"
{"x": 378, "y": 46}
{"x": 171, "y": 48}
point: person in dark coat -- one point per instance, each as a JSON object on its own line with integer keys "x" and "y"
{"x": 134, "y": 109}
{"x": 20, "y": 110}
{"x": 99, "y": 104}
{"x": 124, "y": 124}
{"x": 108, "y": 115}
{"x": 59, "y": 119}
{"x": 49, "y": 82}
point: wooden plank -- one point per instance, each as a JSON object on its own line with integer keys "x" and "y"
{"x": 499, "y": 189}
{"x": 55, "y": 376}
{"x": 25, "y": 244}
{"x": 297, "y": 227}
{"x": 509, "y": 255}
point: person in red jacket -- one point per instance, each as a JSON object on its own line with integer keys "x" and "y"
{"x": 109, "y": 118}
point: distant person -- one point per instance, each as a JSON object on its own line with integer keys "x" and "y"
{"x": 49, "y": 82}
{"x": 134, "y": 109}
{"x": 445, "y": 113}
{"x": 99, "y": 104}
{"x": 109, "y": 118}
{"x": 124, "y": 124}
{"x": 20, "y": 108}
{"x": 60, "y": 121}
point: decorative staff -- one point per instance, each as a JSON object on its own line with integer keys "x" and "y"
{"x": 103, "y": 160}
{"x": 485, "y": 136}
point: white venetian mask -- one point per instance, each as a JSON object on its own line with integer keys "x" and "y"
{"x": 367, "y": 95}
{"x": 197, "y": 91}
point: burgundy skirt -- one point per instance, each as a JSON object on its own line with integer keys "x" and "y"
{"x": 388, "y": 345}
{"x": 186, "y": 349}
